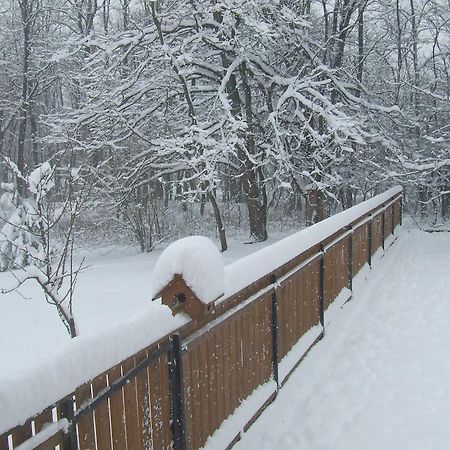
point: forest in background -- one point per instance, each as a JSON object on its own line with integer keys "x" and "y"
{"x": 156, "y": 119}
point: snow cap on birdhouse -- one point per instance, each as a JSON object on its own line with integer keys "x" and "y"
{"x": 189, "y": 276}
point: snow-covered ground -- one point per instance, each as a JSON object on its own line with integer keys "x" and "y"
{"x": 380, "y": 378}
{"x": 116, "y": 286}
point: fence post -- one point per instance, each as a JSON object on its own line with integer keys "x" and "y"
{"x": 383, "y": 227}
{"x": 70, "y": 441}
{"x": 321, "y": 286}
{"x": 350, "y": 260}
{"x": 274, "y": 320}
{"x": 177, "y": 393}
{"x": 400, "y": 219}
{"x": 393, "y": 218}
{"x": 369, "y": 232}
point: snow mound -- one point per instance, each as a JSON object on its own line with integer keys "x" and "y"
{"x": 198, "y": 261}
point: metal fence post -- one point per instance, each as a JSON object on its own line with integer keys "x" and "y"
{"x": 177, "y": 393}
{"x": 401, "y": 211}
{"x": 369, "y": 232}
{"x": 274, "y": 320}
{"x": 70, "y": 441}
{"x": 321, "y": 286}
{"x": 383, "y": 228}
{"x": 350, "y": 261}
{"x": 393, "y": 218}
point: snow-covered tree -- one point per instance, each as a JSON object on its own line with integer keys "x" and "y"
{"x": 37, "y": 237}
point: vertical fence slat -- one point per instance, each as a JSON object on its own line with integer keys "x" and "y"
{"x": 228, "y": 361}
{"x": 4, "y": 442}
{"x": 299, "y": 304}
{"x": 196, "y": 397}
{"x": 117, "y": 410}
{"x": 220, "y": 350}
{"x": 85, "y": 426}
{"x": 143, "y": 403}
{"x": 204, "y": 377}
{"x": 236, "y": 363}
{"x": 275, "y": 333}
{"x": 42, "y": 419}
{"x": 165, "y": 402}
{"x": 188, "y": 404}
{"x": 281, "y": 322}
{"x": 247, "y": 356}
{"x": 101, "y": 415}
{"x": 130, "y": 404}
{"x": 21, "y": 434}
{"x": 259, "y": 342}
{"x": 155, "y": 377}
{"x": 213, "y": 383}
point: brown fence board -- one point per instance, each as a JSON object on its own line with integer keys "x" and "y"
{"x": 21, "y": 434}
{"x": 101, "y": 415}
{"x": 227, "y": 382}
{"x": 234, "y": 366}
{"x": 204, "y": 389}
{"x": 220, "y": 349}
{"x": 265, "y": 332}
{"x": 85, "y": 426}
{"x": 117, "y": 412}
{"x": 377, "y": 232}
{"x": 155, "y": 384}
{"x": 307, "y": 297}
{"x": 397, "y": 210}
{"x": 213, "y": 382}
{"x": 246, "y": 347}
{"x": 42, "y": 419}
{"x": 360, "y": 248}
{"x": 4, "y": 442}
{"x": 195, "y": 397}
{"x": 130, "y": 405}
{"x": 188, "y": 404}
{"x": 388, "y": 222}
{"x": 258, "y": 343}
{"x": 165, "y": 402}
{"x": 283, "y": 323}
{"x": 143, "y": 403}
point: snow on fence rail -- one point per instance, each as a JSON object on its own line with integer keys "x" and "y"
{"x": 207, "y": 379}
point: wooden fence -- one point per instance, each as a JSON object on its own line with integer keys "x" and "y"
{"x": 177, "y": 392}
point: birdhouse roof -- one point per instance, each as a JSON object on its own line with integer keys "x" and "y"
{"x": 198, "y": 261}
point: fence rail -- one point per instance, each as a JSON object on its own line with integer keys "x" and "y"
{"x": 179, "y": 391}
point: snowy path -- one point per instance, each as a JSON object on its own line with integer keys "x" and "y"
{"x": 380, "y": 379}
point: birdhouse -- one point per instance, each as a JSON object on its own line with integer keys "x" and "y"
{"x": 179, "y": 297}
{"x": 189, "y": 276}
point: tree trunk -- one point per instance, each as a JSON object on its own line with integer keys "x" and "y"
{"x": 314, "y": 207}
{"x": 219, "y": 222}
{"x": 445, "y": 203}
{"x": 26, "y": 11}
{"x": 423, "y": 201}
